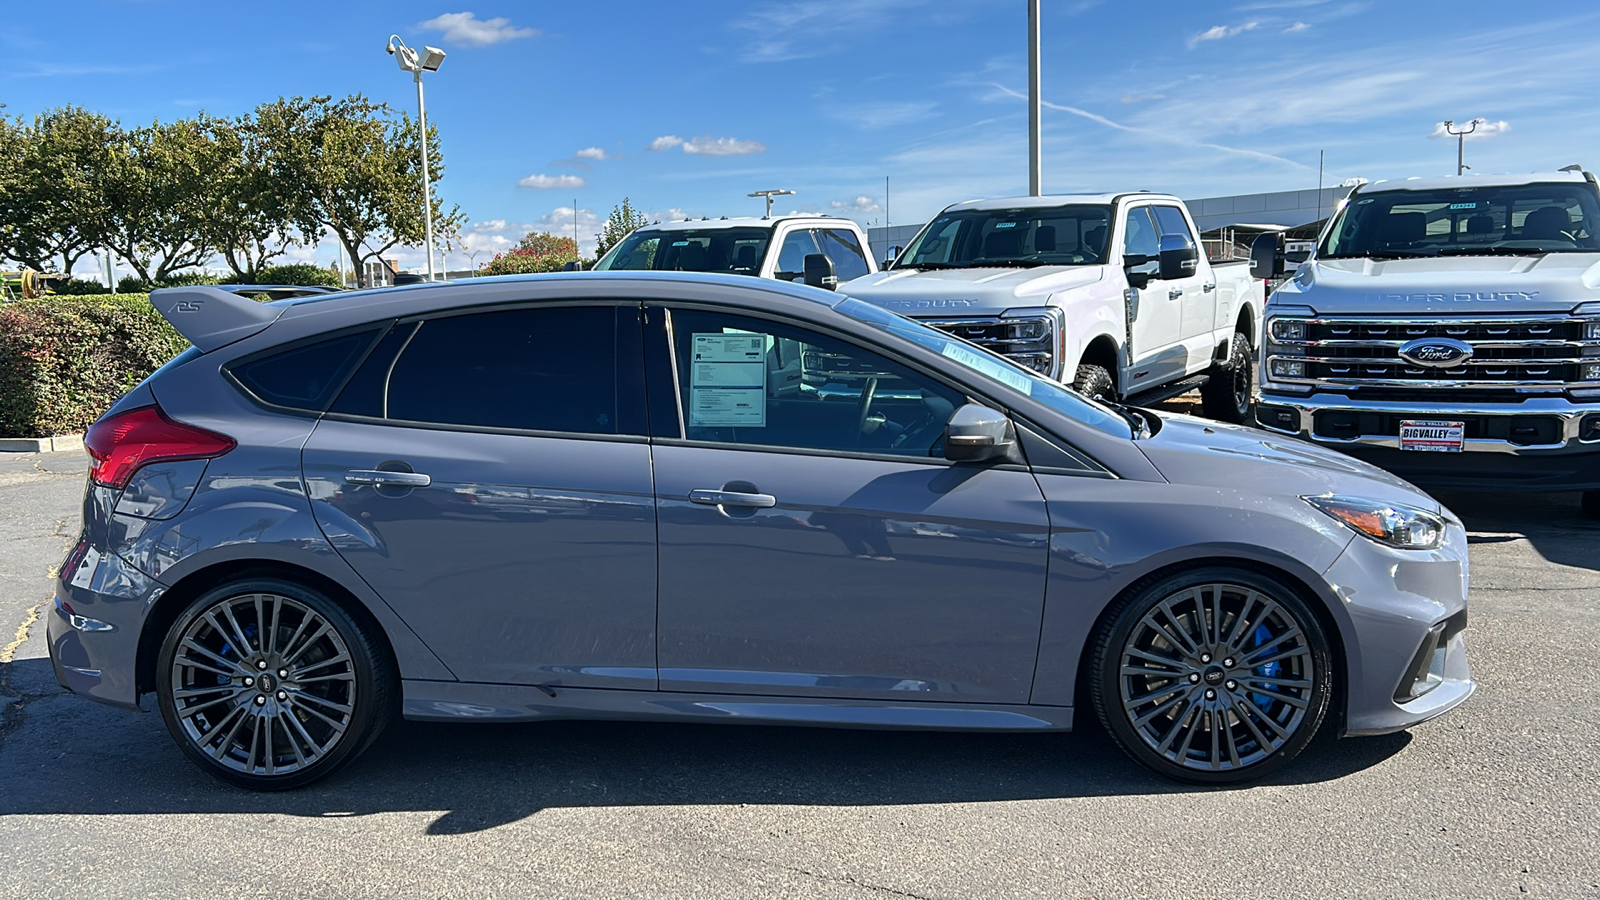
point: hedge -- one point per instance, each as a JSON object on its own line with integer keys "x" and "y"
{"x": 65, "y": 360}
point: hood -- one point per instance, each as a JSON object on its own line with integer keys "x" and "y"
{"x": 973, "y": 292}
{"x": 1449, "y": 285}
{"x": 1195, "y": 451}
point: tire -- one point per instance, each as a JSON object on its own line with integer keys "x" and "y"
{"x": 1095, "y": 382}
{"x": 1590, "y": 504}
{"x": 279, "y": 712}
{"x": 1227, "y": 397}
{"x": 1150, "y": 687}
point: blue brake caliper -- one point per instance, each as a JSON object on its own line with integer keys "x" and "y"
{"x": 1270, "y": 670}
{"x": 228, "y": 651}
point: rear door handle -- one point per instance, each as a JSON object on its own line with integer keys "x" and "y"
{"x": 732, "y": 498}
{"x": 382, "y": 478}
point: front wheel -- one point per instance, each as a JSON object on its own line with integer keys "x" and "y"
{"x": 270, "y": 685}
{"x": 1095, "y": 382}
{"x": 1216, "y": 675}
{"x": 1228, "y": 396}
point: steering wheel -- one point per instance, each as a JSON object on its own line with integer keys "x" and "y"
{"x": 864, "y": 407}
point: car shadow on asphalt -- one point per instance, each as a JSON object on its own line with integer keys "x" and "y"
{"x": 74, "y": 757}
{"x": 1552, "y": 523}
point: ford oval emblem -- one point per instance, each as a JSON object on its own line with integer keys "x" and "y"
{"x": 1438, "y": 353}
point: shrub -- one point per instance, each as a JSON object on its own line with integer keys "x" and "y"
{"x": 133, "y": 284}
{"x": 522, "y": 262}
{"x": 65, "y": 360}
{"x": 304, "y": 274}
{"x": 72, "y": 287}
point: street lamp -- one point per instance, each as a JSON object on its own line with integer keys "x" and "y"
{"x": 428, "y": 61}
{"x": 769, "y": 195}
{"x": 1461, "y": 139}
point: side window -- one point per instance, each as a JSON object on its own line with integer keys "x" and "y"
{"x": 1171, "y": 221}
{"x": 1139, "y": 236}
{"x": 538, "y": 369}
{"x": 792, "y": 255}
{"x": 767, "y": 384}
{"x": 303, "y": 377}
{"x": 848, "y": 260}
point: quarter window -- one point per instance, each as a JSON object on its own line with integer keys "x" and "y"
{"x": 303, "y": 377}
{"x": 762, "y": 383}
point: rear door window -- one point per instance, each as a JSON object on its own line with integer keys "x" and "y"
{"x": 1171, "y": 221}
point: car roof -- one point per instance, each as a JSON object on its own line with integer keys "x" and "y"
{"x": 742, "y": 222}
{"x": 1054, "y": 200}
{"x": 1472, "y": 180}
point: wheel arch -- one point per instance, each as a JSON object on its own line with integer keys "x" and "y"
{"x": 1101, "y": 350}
{"x": 1246, "y": 324}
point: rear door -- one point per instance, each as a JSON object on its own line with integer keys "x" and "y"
{"x": 489, "y": 476}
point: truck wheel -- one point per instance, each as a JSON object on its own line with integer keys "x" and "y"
{"x": 1591, "y": 504}
{"x": 1095, "y": 383}
{"x": 1227, "y": 396}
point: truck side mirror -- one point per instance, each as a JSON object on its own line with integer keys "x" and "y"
{"x": 894, "y": 254}
{"x": 575, "y": 265}
{"x": 1133, "y": 267}
{"x": 1266, "y": 256}
{"x": 1178, "y": 257}
{"x": 977, "y": 433}
{"x": 819, "y": 272}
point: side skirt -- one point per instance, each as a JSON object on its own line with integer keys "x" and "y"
{"x": 451, "y": 701}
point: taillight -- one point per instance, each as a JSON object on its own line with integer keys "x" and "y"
{"x": 119, "y": 445}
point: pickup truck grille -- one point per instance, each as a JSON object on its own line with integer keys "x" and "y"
{"x": 1528, "y": 354}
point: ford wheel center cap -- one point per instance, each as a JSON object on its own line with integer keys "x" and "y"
{"x": 1438, "y": 353}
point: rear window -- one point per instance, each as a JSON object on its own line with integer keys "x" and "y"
{"x": 302, "y": 377}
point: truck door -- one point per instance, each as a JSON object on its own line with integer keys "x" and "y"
{"x": 1155, "y": 311}
{"x": 1197, "y": 293}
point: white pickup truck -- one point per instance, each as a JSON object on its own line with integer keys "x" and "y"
{"x": 818, "y": 250}
{"x": 1103, "y": 291}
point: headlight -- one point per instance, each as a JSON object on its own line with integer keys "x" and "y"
{"x": 1287, "y": 368}
{"x": 1287, "y": 330}
{"x": 1387, "y": 523}
{"x": 1591, "y": 330}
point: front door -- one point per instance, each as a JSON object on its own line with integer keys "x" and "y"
{"x": 1156, "y": 310}
{"x": 814, "y": 541}
{"x": 488, "y": 475}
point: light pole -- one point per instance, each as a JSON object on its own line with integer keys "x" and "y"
{"x": 428, "y": 61}
{"x": 1461, "y": 140}
{"x": 769, "y": 195}
{"x": 1035, "y": 150}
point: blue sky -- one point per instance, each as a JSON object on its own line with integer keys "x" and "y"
{"x": 687, "y": 107}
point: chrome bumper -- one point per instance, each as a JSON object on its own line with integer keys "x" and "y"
{"x": 1303, "y": 410}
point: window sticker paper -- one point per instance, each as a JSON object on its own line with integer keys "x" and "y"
{"x": 728, "y": 380}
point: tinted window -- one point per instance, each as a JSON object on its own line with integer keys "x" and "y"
{"x": 792, "y": 255}
{"x": 304, "y": 377}
{"x": 1071, "y": 235}
{"x": 735, "y": 250}
{"x": 363, "y": 395}
{"x": 1170, "y": 221}
{"x": 848, "y": 260}
{"x": 548, "y": 369}
{"x": 1469, "y": 220}
{"x": 751, "y": 381}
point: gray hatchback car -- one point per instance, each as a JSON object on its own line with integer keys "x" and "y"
{"x": 653, "y": 496}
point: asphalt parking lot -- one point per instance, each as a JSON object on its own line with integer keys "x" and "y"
{"x": 1500, "y": 798}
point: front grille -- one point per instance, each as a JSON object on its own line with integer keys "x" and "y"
{"x": 1530, "y": 354}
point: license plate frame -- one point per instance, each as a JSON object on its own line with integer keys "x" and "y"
{"x": 1432, "y": 435}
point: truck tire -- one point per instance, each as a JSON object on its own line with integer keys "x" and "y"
{"x": 1227, "y": 397}
{"x": 1095, "y": 383}
{"x": 1591, "y": 504}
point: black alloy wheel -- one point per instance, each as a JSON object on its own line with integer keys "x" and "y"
{"x": 1214, "y": 676}
{"x": 1229, "y": 395}
{"x": 270, "y": 685}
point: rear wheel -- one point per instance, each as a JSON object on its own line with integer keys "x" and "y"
{"x": 1591, "y": 504}
{"x": 270, "y": 685}
{"x": 1227, "y": 397}
{"x": 1216, "y": 675}
{"x": 1095, "y": 382}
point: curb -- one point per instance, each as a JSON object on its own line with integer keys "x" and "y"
{"x": 54, "y": 444}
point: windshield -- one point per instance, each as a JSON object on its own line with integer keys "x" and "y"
{"x": 1466, "y": 221}
{"x": 1028, "y": 236}
{"x": 995, "y": 369}
{"x": 735, "y": 251}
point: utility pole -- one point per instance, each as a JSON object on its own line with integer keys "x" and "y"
{"x": 1461, "y": 140}
{"x": 1035, "y": 168}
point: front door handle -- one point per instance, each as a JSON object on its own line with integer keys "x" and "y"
{"x": 732, "y": 498}
{"x": 1175, "y": 293}
{"x": 1209, "y": 286}
{"x": 383, "y": 478}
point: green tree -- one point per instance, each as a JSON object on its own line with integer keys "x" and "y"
{"x": 355, "y": 170}
{"x": 51, "y": 185}
{"x": 621, "y": 223}
{"x": 249, "y": 221}
{"x": 159, "y": 196}
{"x": 543, "y": 243}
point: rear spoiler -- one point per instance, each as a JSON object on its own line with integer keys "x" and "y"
{"x": 210, "y": 317}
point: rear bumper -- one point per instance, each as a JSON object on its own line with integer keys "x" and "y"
{"x": 93, "y": 631}
{"x": 1549, "y": 443}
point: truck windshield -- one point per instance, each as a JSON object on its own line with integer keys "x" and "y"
{"x": 1074, "y": 235}
{"x": 735, "y": 251}
{"x": 994, "y": 369}
{"x": 1466, "y": 221}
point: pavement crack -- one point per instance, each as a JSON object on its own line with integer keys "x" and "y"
{"x": 831, "y": 879}
{"x": 10, "y": 650}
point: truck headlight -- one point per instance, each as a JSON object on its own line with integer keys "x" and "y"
{"x": 1591, "y": 330}
{"x": 1287, "y": 330}
{"x": 1390, "y": 524}
{"x": 1287, "y": 368}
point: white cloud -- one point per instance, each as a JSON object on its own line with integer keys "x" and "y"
{"x": 1218, "y": 32}
{"x": 722, "y": 146}
{"x": 594, "y": 153}
{"x": 466, "y": 28}
{"x": 665, "y": 142}
{"x": 1483, "y": 130}
{"x": 564, "y": 221}
{"x": 861, "y": 204}
{"x": 1297, "y": 27}
{"x": 548, "y": 182}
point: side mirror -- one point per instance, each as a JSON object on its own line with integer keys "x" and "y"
{"x": 1178, "y": 257}
{"x": 1266, "y": 256}
{"x": 1132, "y": 265}
{"x": 894, "y": 254}
{"x": 819, "y": 272}
{"x": 977, "y": 434}
{"x": 575, "y": 265}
